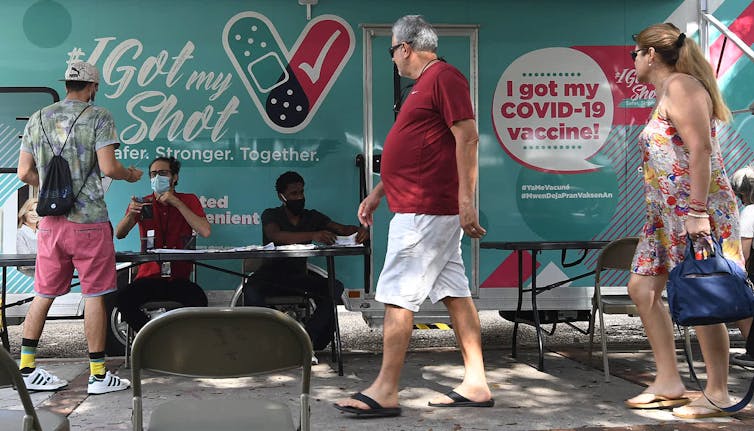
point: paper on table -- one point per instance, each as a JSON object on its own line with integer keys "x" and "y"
{"x": 346, "y": 241}
{"x": 268, "y": 246}
{"x": 295, "y": 247}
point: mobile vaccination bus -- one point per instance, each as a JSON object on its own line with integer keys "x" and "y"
{"x": 242, "y": 91}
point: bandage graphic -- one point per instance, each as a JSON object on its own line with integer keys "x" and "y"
{"x": 287, "y": 86}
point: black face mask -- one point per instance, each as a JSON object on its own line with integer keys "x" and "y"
{"x": 295, "y": 206}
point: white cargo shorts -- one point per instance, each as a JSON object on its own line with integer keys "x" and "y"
{"x": 423, "y": 259}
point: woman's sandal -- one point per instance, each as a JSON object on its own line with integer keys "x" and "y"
{"x": 657, "y": 402}
{"x": 698, "y": 409}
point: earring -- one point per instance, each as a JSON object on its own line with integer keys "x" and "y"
{"x": 649, "y": 64}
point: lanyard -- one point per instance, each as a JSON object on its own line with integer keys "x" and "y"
{"x": 163, "y": 224}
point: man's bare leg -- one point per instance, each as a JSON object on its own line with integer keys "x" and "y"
{"x": 397, "y": 327}
{"x": 36, "y": 317}
{"x": 95, "y": 323}
{"x": 465, "y": 319}
{"x": 36, "y": 378}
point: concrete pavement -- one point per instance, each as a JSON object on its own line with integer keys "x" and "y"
{"x": 569, "y": 394}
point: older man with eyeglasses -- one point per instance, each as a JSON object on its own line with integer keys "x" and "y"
{"x": 429, "y": 174}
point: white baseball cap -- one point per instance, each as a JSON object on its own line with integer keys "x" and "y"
{"x": 81, "y": 71}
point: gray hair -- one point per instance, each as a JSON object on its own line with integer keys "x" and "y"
{"x": 415, "y": 29}
{"x": 742, "y": 182}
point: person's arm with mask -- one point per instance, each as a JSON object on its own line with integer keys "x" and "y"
{"x": 197, "y": 222}
{"x": 319, "y": 234}
{"x": 362, "y": 233}
{"x": 130, "y": 219}
{"x": 281, "y": 237}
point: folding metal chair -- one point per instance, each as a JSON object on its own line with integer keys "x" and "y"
{"x": 221, "y": 343}
{"x": 29, "y": 418}
{"x": 617, "y": 255}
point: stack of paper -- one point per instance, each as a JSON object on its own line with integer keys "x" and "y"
{"x": 268, "y": 246}
{"x": 295, "y": 247}
{"x": 346, "y": 241}
{"x": 177, "y": 250}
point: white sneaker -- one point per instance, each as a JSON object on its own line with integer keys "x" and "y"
{"x": 110, "y": 383}
{"x": 315, "y": 361}
{"x": 41, "y": 380}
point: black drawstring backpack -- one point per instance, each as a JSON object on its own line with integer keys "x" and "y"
{"x": 56, "y": 194}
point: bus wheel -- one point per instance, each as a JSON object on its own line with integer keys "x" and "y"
{"x": 115, "y": 343}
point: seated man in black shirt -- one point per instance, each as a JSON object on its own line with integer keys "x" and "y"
{"x": 290, "y": 223}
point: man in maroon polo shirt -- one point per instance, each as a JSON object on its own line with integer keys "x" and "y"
{"x": 429, "y": 173}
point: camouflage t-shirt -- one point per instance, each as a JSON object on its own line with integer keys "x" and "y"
{"x": 95, "y": 129}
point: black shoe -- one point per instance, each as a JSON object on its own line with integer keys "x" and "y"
{"x": 744, "y": 360}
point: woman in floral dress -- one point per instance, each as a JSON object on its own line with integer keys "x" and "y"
{"x": 687, "y": 192}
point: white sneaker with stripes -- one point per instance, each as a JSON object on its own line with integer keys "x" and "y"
{"x": 41, "y": 380}
{"x": 109, "y": 383}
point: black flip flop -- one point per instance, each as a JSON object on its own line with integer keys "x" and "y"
{"x": 375, "y": 410}
{"x": 461, "y": 401}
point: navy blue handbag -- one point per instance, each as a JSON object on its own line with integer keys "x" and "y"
{"x": 709, "y": 291}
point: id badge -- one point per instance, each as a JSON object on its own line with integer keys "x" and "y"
{"x": 165, "y": 269}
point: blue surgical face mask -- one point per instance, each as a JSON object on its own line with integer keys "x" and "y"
{"x": 160, "y": 184}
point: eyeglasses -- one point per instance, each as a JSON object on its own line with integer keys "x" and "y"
{"x": 161, "y": 172}
{"x": 636, "y": 52}
{"x": 392, "y": 49}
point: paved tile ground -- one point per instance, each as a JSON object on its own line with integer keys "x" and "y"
{"x": 569, "y": 395}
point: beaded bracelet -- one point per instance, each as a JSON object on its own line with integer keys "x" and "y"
{"x": 698, "y": 215}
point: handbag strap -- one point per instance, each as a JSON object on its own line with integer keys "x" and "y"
{"x": 714, "y": 243}
{"x": 735, "y": 407}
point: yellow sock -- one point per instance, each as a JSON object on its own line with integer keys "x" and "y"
{"x": 28, "y": 353}
{"x": 28, "y": 357}
{"x": 97, "y": 364}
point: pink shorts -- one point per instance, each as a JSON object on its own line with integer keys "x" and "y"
{"x": 62, "y": 246}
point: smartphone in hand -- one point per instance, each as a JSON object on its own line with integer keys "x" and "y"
{"x": 146, "y": 208}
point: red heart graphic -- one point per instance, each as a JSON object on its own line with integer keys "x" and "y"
{"x": 287, "y": 87}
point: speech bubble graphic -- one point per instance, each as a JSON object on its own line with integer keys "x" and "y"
{"x": 553, "y": 110}
{"x": 287, "y": 86}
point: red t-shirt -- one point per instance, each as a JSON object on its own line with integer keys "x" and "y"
{"x": 418, "y": 171}
{"x": 171, "y": 230}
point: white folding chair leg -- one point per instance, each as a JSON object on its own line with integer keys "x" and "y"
{"x": 603, "y": 339}
{"x": 129, "y": 340}
{"x": 236, "y": 296}
{"x": 592, "y": 321}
